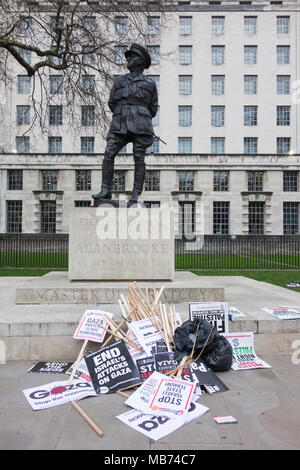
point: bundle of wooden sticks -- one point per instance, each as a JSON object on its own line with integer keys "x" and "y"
{"x": 139, "y": 305}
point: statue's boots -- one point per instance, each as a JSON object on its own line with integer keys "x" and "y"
{"x": 107, "y": 176}
{"x": 139, "y": 177}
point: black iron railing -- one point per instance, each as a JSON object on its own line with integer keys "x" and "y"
{"x": 209, "y": 252}
{"x": 34, "y": 250}
{"x": 238, "y": 252}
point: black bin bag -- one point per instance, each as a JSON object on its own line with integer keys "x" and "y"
{"x": 217, "y": 352}
{"x": 220, "y": 358}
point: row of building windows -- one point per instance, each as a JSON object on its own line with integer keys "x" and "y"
{"x": 186, "y": 180}
{"x": 221, "y": 217}
{"x": 217, "y": 25}
{"x": 185, "y": 54}
{"x": 256, "y": 218}
{"x": 185, "y": 145}
{"x": 283, "y": 115}
{"x": 122, "y": 25}
{"x": 185, "y": 82}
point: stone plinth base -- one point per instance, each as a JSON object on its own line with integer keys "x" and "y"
{"x": 56, "y": 289}
{"x": 108, "y": 243}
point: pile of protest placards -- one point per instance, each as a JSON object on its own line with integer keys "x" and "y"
{"x": 139, "y": 355}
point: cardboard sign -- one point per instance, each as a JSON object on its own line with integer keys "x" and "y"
{"x": 134, "y": 352}
{"x": 207, "y": 378}
{"x": 112, "y": 368}
{"x": 57, "y": 393}
{"x": 244, "y": 356}
{"x": 51, "y": 367}
{"x": 90, "y": 326}
{"x": 163, "y": 396}
{"x": 160, "y": 346}
{"x": 146, "y": 367}
{"x": 81, "y": 372}
{"x": 283, "y": 313}
{"x": 157, "y": 427}
{"x": 234, "y": 313}
{"x": 165, "y": 362}
{"x": 216, "y": 313}
{"x": 146, "y": 334}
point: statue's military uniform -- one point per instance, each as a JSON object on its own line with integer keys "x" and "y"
{"x": 134, "y": 102}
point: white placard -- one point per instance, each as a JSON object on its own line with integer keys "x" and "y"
{"x": 161, "y": 395}
{"x": 81, "y": 372}
{"x": 215, "y": 313}
{"x": 134, "y": 352}
{"x": 146, "y": 334}
{"x": 157, "y": 427}
{"x": 90, "y": 324}
{"x": 283, "y": 313}
{"x": 58, "y": 393}
{"x": 244, "y": 356}
{"x": 235, "y": 312}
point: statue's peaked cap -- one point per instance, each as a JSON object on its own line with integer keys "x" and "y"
{"x": 140, "y": 50}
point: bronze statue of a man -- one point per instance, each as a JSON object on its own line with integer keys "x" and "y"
{"x": 133, "y": 101}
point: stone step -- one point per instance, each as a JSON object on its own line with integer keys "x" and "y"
{"x": 44, "y": 331}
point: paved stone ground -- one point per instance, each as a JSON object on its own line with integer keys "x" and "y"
{"x": 264, "y": 401}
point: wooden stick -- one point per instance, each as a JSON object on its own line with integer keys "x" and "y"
{"x": 112, "y": 334}
{"x": 131, "y": 386}
{"x": 183, "y": 360}
{"x": 159, "y": 294}
{"x": 139, "y": 301}
{"x": 125, "y": 302}
{"x": 164, "y": 309}
{"x": 80, "y": 355}
{"x": 88, "y": 419}
{"x": 173, "y": 319}
{"x": 132, "y": 306}
{"x": 149, "y": 312}
{"x": 147, "y": 295}
{"x": 118, "y": 336}
{"x": 165, "y": 328}
{"x": 122, "y": 309}
{"x": 169, "y": 325}
{"x": 190, "y": 357}
{"x": 119, "y": 392}
{"x": 121, "y": 335}
{"x": 118, "y": 328}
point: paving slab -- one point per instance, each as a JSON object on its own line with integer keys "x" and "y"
{"x": 264, "y": 401}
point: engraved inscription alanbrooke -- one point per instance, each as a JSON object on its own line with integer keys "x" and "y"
{"x": 121, "y": 248}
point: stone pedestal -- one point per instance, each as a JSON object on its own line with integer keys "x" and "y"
{"x": 119, "y": 244}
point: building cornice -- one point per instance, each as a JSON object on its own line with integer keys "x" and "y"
{"x": 101, "y": 7}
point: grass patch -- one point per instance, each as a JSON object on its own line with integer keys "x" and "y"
{"x": 215, "y": 261}
{"x": 34, "y": 260}
{"x": 23, "y": 272}
{"x": 278, "y": 278}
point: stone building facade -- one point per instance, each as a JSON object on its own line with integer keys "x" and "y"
{"x": 211, "y": 194}
{"x": 228, "y": 76}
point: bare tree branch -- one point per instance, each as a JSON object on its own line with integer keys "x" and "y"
{"x": 78, "y": 41}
